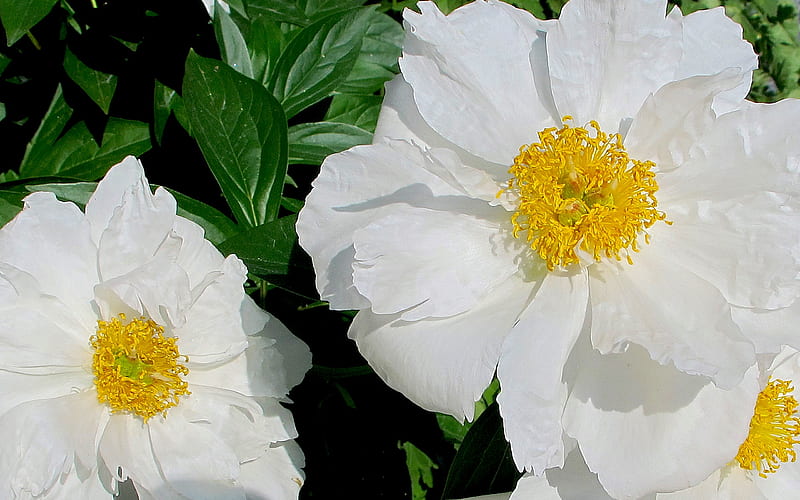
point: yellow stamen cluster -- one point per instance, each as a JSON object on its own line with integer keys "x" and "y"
{"x": 136, "y": 368}
{"x": 578, "y": 188}
{"x": 773, "y": 430}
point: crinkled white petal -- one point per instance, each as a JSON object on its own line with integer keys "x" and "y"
{"x": 531, "y": 366}
{"x": 276, "y": 474}
{"x": 129, "y": 222}
{"x": 471, "y": 76}
{"x": 644, "y": 427}
{"x": 399, "y": 119}
{"x": 51, "y": 241}
{"x": 353, "y": 189}
{"x": 574, "y": 481}
{"x": 605, "y": 57}
{"x": 443, "y": 364}
{"x": 44, "y": 439}
{"x": 712, "y": 42}
{"x": 676, "y": 315}
{"x": 432, "y": 263}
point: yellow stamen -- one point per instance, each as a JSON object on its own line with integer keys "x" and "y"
{"x": 773, "y": 430}
{"x": 136, "y": 368}
{"x": 579, "y": 189}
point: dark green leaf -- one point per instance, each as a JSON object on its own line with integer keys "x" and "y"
{"x": 318, "y": 60}
{"x": 377, "y": 59}
{"x": 76, "y": 154}
{"x": 310, "y": 143}
{"x": 163, "y": 99}
{"x": 269, "y": 249}
{"x": 98, "y": 86}
{"x": 299, "y": 12}
{"x": 420, "y": 470}
{"x": 4, "y": 61}
{"x": 359, "y": 110}
{"x": 241, "y": 130}
{"x": 483, "y": 464}
{"x": 10, "y": 205}
{"x": 51, "y": 127}
{"x": 265, "y": 44}
{"x": 291, "y": 204}
{"x": 231, "y": 43}
{"x": 19, "y": 16}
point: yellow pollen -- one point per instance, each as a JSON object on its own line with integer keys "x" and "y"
{"x": 578, "y": 188}
{"x": 773, "y": 430}
{"x": 136, "y": 369}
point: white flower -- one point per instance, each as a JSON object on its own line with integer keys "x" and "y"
{"x": 763, "y": 467}
{"x": 460, "y": 269}
{"x": 210, "y": 5}
{"x": 128, "y": 349}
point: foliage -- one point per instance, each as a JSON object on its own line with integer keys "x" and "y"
{"x": 237, "y": 110}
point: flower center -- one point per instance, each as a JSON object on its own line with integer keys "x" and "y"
{"x": 773, "y": 430}
{"x": 578, "y": 188}
{"x": 136, "y": 368}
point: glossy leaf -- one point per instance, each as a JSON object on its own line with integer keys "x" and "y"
{"x": 163, "y": 99}
{"x": 19, "y": 16}
{"x": 231, "y": 43}
{"x": 318, "y": 60}
{"x": 98, "y": 86}
{"x": 241, "y": 130}
{"x": 53, "y": 123}
{"x": 377, "y": 58}
{"x": 269, "y": 249}
{"x": 310, "y": 143}
{"x": 483, "y": 464}
{"x": 265, "y": 43}
{"x": 359, "y": 110}
{"x": 299, "y": 12}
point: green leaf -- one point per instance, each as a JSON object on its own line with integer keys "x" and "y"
{"x": 163, "y": 99}
{"x": 448, "y": 6}
{"x": 98, "y": 86}
{"x": 377, "y": 59}
{"x": 265, "y": 44}
{"x": 269, "y": 249}
{"x": 241, "y": 130}
{"x": 19, "y": 16}
{"x": 10, "y": 206}
{"x": 76, "y": 155}
{"x": 310, "y": 143}
{"x": 53, "y": 123}
{"x": 2, "y": 111}
{"x": 299, "y": 12}
{"x": 483, "y": 464}
{"x": 359, "y": 110}
{"x": 231, "y": 43}
{"x": 216, "y": 225}
{"x": 318, "y": 60}
{"x": 4, "y": 62}
{"x": 420, "y": 470}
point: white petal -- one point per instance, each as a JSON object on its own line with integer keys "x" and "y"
{"x": 129, "y": 222}
{"x": 471, "y": 76}
{"x": 213, "y": 330}
{"x": 644, "y": 427}
{"x": 126, "y": 451}
{"x": 354, "y": 188}
{"x": 51, "y": 241}
{"x": 713, "y": 42}
{"x": 436, "y": 263}
{"x": 276, "y": 475}
{"x": 667, "y": 127}
{"x": 44, "y": 439}
{"x": 400, "y": 120}
{"x": 606, "y": 56}
{"x": 445, "y": 364}
{"x": 193, "y": 459}
{"x": 197, "y": 255}
{"x": 638, "y": 303}
{"x": 533, "y": 395}
{"x": 574, "y": 481}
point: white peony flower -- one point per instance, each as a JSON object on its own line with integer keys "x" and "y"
{"x": 763, "y": 467}
{"x": 563, "y": 202}
{"x": 128, "y": 349}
